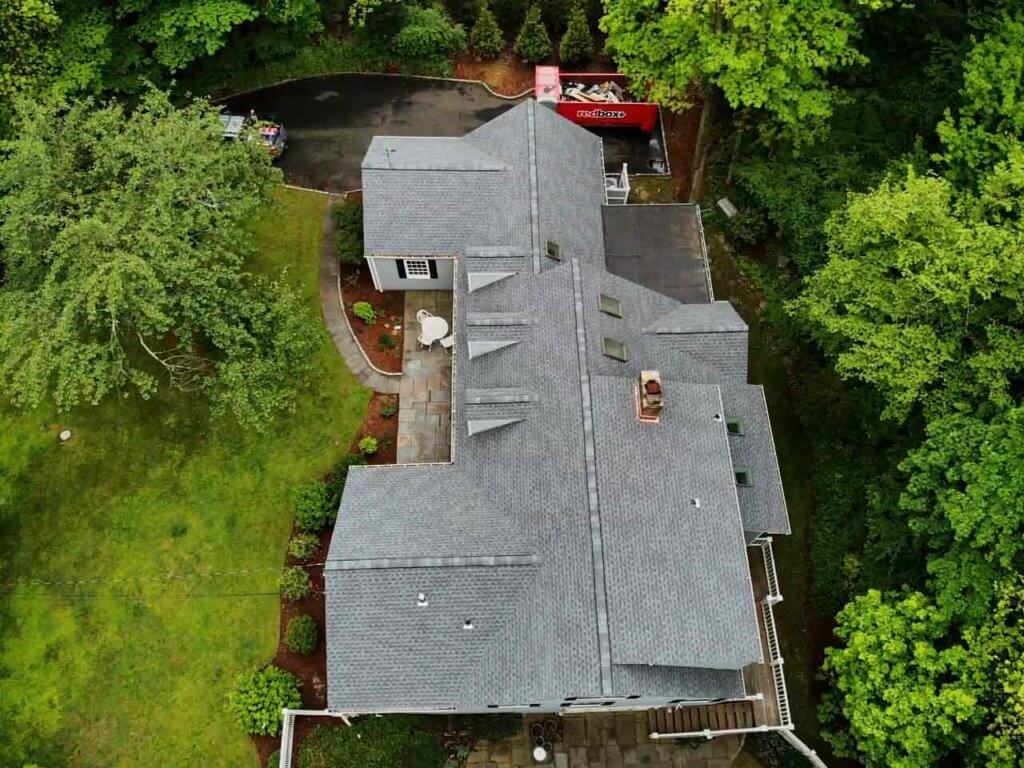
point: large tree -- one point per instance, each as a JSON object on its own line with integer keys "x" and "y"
{"x": 965, "y": 500}
{"x": 923, "y": 295}
{"x": 773, "y": 55}
{"x": 896, "y": 695}
{"x": 26, "y": 29}
{"x": 989, "y": 121}
{"x": 124, "y": 240}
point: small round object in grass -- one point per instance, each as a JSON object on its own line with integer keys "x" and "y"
{"x": 65, "y": 435}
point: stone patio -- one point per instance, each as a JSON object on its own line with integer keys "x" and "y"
{"x": 606, "y": 740}
{"x": 425, "y": 392}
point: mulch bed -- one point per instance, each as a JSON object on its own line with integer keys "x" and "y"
{"x": 357, "y": 285}
{"x": 384, "y": 428}
{"x": 507, "y": 75}
{"x": 312, "y": 670}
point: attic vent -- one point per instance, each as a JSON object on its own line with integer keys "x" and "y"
{"x": 553, "y": 250}
{"x": 650, "y": 396}
{"x": 421, "y": 600}
{"x": 467, "y": 624}
{"x": 695, "y": 502}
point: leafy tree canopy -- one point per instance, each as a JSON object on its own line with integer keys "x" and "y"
{"x": 772, "y": 56}
{"x": 922, "y": 297}
{"x": 896, "y": 699}
{"x": 965, "y": 499}
{"x": 26, "y": 27}
{"x": 124, "y": 241}
{"x": 989, "y": 122}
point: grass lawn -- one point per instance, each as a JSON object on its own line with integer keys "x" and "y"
{"x": 135, "y": 673}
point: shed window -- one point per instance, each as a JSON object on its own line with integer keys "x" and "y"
{"x": 734, "y": 426}
{"x": 614, "y": 349}
{"x": 743, "y": 476}
{"x": 609, "y": 305}
{"x": 417, "y": 269}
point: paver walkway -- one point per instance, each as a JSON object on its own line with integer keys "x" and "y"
{"x": 606, "y": 740}
{"x": 337, "y": 325}
{"x": 425, "y": 394}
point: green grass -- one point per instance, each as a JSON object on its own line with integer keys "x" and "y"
{"x": 136, "y": 673}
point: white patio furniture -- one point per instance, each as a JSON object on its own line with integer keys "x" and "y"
{"x": 432, "y": 328}
{"x": 422, "y": 315}
{"x": 448, "y": 342}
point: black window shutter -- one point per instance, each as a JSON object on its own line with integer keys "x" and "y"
{"x": 401, "y": 268}
{"x": 433, "y": 268}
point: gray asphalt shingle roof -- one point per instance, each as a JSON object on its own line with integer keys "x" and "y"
{"x": 565, "y": 535}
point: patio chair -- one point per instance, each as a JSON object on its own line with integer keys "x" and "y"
{"x": 424, "y": 342}
{"x": 448, "y": 342}
{"x": 422, "y": 315}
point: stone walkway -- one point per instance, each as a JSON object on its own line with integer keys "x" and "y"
{"x": 606, "y": 740}
{"x": 337, "y": 325}
{"x": 425, "y": 393}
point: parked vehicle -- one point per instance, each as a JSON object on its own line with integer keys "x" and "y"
{"x": 271, "y": 133}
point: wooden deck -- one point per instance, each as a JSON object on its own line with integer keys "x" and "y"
{"x": 724, "y": 716}
{"x": 760, "y": 678}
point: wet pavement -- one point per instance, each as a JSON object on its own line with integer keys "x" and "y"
{"x": 330, "y": 120}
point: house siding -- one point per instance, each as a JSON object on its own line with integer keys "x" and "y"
{"x": 388, "y": 279}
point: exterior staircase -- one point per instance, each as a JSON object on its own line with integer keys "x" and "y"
{"x": 699, "y": 720}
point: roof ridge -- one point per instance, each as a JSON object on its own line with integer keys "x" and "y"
{"x": 487, "y": 561}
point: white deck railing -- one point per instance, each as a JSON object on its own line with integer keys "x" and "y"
{"x": 287, "y": 738}
{"x": 772, "y": 576}
{"x": 616, "y": 187}
{"x": 776, "y": 662}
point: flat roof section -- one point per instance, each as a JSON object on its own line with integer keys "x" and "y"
{"x": 659, "y": 247}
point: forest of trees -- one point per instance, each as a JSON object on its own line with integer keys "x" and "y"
{"x": 876, "y": 146}
{"x": 879, "y": 147}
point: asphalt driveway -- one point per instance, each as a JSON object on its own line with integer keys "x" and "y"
{"x": 330, "y": 120}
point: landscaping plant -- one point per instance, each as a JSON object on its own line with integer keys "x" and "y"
{"x": 348, "y": 231}
{"x": 313, "y": 507}
{"x": 577, "y": 44}
{"x": 339, "y": 473}
{"x": 532, "y": 42}
{"x": 368, "y": 446}
{"x": 259, "y": 697}
{"x": 429, "y": 37}
{"x": 485, "y": 39}
{"x": 386, "y": 341}
{"x": 300, "y": 637}
{"x": 294, "y": 583}
{"x": 365, "y": 312}
{"x": 389, "y": 409}
{"x": 303, "y": 545}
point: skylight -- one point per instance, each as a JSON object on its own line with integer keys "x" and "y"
{"x": 614, "y": 349}
{"x": 554, "y": 250}
{"x": 610, "y": 305}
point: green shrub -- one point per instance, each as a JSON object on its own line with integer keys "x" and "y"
{"x": 533, "y": 43}
{"x": 365, "y": 312}
{"x": 577, "y": 44}
{"x": 386, "y": 341}
{"x": 429, "y": 35}
{"x": 348, "y": 234}
{"x": 259, "y": 697}
{"x": 388, "y": 410}
{"x": 485, "y": 38}
{"x": 510, "y": 14}
{"x": 368, "y": 446}
{"x": 490, "y": 727}
{"x": 300, "y": 637}
{"x": 294, "y": 584}
{"x": 372, "y": 742}
{"x": 313, "y": 508}
{"x": 303, "y": 545}
{"x": 338, "y": 476}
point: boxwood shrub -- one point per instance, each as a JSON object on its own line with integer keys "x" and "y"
{"x": 313, "y": 508}
{"x": 295, "y": 584}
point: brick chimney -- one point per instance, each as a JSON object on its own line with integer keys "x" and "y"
{"x": 650, "y": 396}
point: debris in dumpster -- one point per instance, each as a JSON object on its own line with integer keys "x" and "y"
{"x": 608, "y": 92}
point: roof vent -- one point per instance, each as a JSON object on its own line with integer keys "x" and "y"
{"x": 467, "y": 624}
{"x": 651, "y": 398}
{"x": 553, "y": 250}
{"x": 695, "y": 502}
{"x": 421, "y": 600}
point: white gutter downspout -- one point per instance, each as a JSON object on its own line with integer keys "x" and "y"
{"x": 794, "y": 741}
